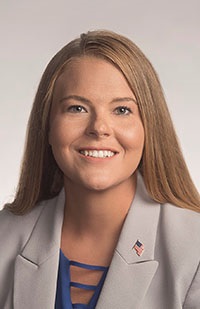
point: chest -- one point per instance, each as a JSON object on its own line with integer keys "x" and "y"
{"x": 79, "y": 283}
{"x": 84, "y": 283}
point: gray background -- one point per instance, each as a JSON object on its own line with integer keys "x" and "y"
{"x": 32, "y": 32}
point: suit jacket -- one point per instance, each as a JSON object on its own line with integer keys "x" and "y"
{"x": 165, "y": 276}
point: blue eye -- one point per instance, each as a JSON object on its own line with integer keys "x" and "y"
{"x": 76, "y": 109}
{"x": 123, "y": 110}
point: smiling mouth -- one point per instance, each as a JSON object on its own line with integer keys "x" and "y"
{"x": 98, "y": 153}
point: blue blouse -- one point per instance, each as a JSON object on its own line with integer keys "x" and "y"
{"x": 63, "y": 299}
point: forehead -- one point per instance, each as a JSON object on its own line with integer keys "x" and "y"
{"x": 87, "y": 75}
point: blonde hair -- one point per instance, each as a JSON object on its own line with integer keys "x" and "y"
{"x": 165, "y": 174}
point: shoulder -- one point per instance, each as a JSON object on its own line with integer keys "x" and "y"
{"x": 15, "y": 229}
{"x": 7, "y": 217}
{"x": 178, "y": 250}
{"x": 178, "y": 234}
{"x": 180, "y": 221}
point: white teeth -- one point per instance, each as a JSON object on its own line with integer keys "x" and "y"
{"x": 97, "y": 153}
{"x": 101, "y": 155}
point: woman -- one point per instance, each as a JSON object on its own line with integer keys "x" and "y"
{"x": 106, "y": 214}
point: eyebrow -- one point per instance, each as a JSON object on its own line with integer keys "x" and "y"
{"x": 84, "y": 100}
{"x": 124, "y": 99}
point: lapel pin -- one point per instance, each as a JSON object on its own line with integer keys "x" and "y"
{"x": 139, "y": 248}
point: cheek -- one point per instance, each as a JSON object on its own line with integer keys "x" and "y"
{"x": 62, "y": 134}
{"x": 133, "y": 137}
{"x": 57, "y": 136}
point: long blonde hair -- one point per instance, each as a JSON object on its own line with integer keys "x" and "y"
{"x": 162, "y": 165}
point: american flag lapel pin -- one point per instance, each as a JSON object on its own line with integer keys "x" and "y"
{"x": 139, "y": 248}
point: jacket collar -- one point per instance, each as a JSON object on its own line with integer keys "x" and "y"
{"x": 36, "y": 267}
{"x": 45, "y": 238}
{"x": 130, "y": 275}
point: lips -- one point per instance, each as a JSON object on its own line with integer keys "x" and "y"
{"x": 97, "y": 153}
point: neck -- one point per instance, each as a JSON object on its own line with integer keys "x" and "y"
{"x": 88, "y": 212}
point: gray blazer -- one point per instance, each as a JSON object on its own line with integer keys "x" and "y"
{"x": 165, "y": 276}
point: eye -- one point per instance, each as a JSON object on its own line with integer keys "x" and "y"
{"x": 76, "y": 109}
{"x": 122, "y": 110}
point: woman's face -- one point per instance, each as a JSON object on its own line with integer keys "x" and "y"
{"x": 96, "y": 133}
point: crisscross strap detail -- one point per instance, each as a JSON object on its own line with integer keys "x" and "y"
{"x": 87, "y": 266}
{"x": 83, "y": 286}
{"x": 95, "y": 288}
{"x": 80, "y": 306}
{"x": 66, "y": 283}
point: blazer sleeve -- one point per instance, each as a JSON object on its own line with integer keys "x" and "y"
{"x": 192, "y": 300}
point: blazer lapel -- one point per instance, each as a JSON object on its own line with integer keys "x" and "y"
{"x": 130, "y": 275}
{"x": 37, "y": 266}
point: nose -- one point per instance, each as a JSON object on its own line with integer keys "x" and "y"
{"x": 99, "y": 126}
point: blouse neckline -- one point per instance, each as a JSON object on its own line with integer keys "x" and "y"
{"x": 65, "y": 283}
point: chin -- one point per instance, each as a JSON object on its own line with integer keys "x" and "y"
{"x": 98, "y": 187}
{"x": 102, "y": 186}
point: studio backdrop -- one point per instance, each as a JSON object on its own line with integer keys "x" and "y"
{"x": 33, "y": 31}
